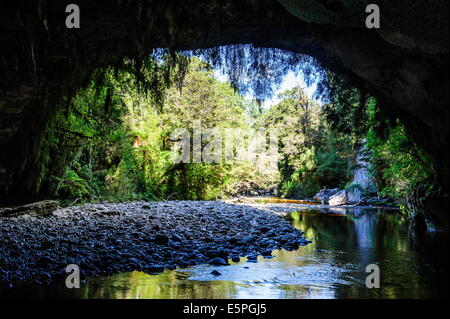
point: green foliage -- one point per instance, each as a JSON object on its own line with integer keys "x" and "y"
{"x": 120, "y": 136}
{"x": 313, "y": 156}
{"x": 112, "y": 142}
{"x": 347, "y": 112}
{"x": 399, "y": 164}
{"x": 73, "y": 185}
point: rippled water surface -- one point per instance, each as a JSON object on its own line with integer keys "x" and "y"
{"x": 333, "y": 266}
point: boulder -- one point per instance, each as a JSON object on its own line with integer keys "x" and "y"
{"x": 252, "y": 257}
{"x": 324, "y": 195}
{"x": 236, "y": 259}
{"x": 218, "y": 262}
{"x": 217, "y": 253}
{"x": 43, "y": 208}
{"x": 340, "y": 198}
{"x": 267, "y": 252}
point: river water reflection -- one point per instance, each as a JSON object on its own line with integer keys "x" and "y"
{"x": 333, "y": 266}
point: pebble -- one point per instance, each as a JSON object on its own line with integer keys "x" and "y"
{"x": 106, "y": 238}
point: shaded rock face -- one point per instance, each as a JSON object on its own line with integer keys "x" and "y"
{"x": 404, "y": 64}
{"x": 402, "y": 24}
{"x": 427, "y": 208}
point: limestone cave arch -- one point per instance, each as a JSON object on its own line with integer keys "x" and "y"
{"x": 404, "y": 63}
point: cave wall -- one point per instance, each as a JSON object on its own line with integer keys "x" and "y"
{"x": 404, "y": 64}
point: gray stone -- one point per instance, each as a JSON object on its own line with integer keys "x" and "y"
{"x": 363, "y": 184}
{"x": 324, "y": 195}
{"x": 339, "y": 198}
{"x": 43, "y": 208}
{"x": 217, "y": 262}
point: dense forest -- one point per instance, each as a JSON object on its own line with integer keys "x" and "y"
{"x": 112, "y": 142}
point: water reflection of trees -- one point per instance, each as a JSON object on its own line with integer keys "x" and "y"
{"x": 138, "y": 285}
{"x": 370, "y": 236}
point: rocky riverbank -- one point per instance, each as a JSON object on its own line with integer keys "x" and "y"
{"x": 150, "y": 237}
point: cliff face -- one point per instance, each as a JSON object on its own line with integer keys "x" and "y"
{"x": 363, "y": 183}
{"x": 404, "y": 64}
{"x": 362, "y": 186}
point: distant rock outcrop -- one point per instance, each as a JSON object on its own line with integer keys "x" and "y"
{"x": 363, "y": 184}
{"x": 361, "y": 188}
